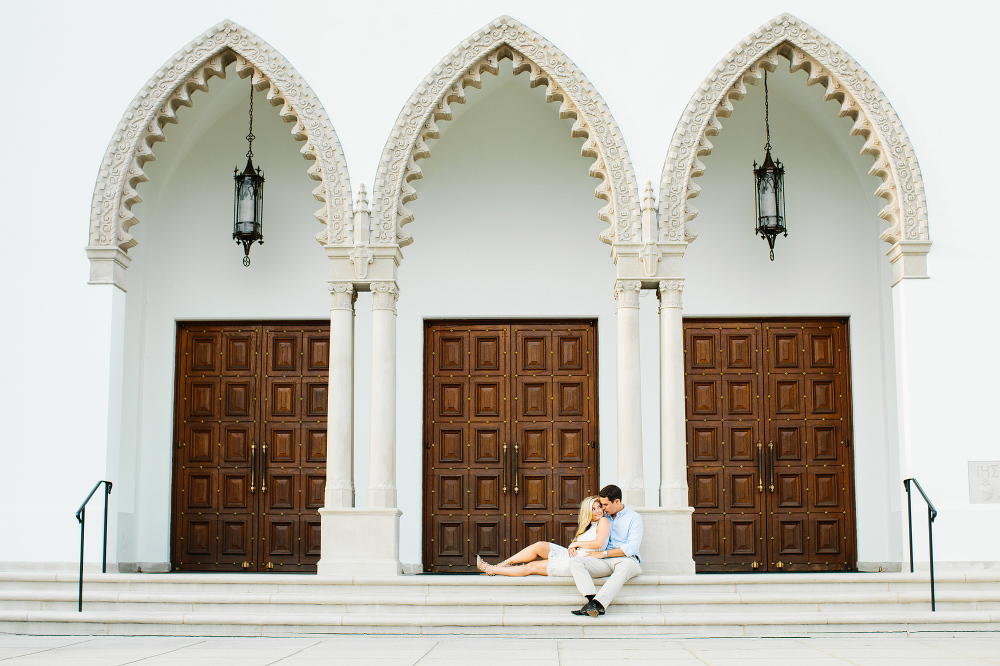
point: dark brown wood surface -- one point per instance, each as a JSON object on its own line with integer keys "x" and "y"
{"x": 510, "y": 436}
{"x": 770, "y": 471}
{"x": 250, "y": 446}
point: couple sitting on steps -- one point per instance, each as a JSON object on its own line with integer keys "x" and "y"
{"x": 606, "y": 543}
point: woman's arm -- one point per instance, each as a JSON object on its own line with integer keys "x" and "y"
{"x": 603, "y": 531}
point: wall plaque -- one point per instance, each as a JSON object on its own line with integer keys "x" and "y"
{"x": 984, "y": 482}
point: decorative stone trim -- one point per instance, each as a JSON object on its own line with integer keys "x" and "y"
{"x": 172, "y": 86}
{"x": 546, "y": 65}
{"x": 108, "y": 265}
{"x": 384, "y": 296}
{"x": 342, "y": 295}
{"x": 627, "y": 293}
{"x": 845, "y": 81}
{"x": 670, "y": 293}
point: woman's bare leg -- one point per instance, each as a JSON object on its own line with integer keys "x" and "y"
{"x": 538, "y": 568}
{"x": 539, "y": 549}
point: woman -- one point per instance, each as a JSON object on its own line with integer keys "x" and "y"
{"x": 591, "y": 534}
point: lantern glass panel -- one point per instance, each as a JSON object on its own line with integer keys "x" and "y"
{"x": 245, "y": 208}
{"x": 766, "y": 195}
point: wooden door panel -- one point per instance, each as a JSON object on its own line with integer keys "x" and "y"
{"x": 812, "y": 506}
{"x": 570, "y": 489}
{"x": 202, "y": 396}
{"x": 534, "y": 400}
{"x": 466, "y": 407}
{"x": 202, "y": 352}
{"x": 294, "y": 434}
{"x": 251, "y": 446}
{"x": 238, "y": 397}
{"x": 758, "y": 392}
{"x": 508, "y": 424}
{"x": 199, "y": 443}
{"x": 487, "y": 399}
{"x": 722, "y": 382}
{"x": 533, "y": 352}
{"x": 703, "y": 442}
{"x": 570, "y": 444}
{"x": 283, "y": 352}
{"x": 489, "y": 352}
{"x": 451, "y": 354}
{"x": 239, "y": 349}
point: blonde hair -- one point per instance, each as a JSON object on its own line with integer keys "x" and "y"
{"x": 586, "y": 515}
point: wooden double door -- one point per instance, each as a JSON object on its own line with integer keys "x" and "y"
{"x": 770, "y": 471}
{"x": 249, "y": 446}
{"x": 510, "y": 433}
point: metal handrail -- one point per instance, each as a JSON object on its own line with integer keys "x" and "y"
{"x": 931, "y": 515}
{"x": 81, "y": 515}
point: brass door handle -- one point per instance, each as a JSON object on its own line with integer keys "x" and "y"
{"x": 505, "y": 469}
{"x": 760, "y": 468}
{"x": 253, "y": 458}
{"x": 770, "y": 447}
{"x": 263, "y": 465}
{"x": 516, "y": 450}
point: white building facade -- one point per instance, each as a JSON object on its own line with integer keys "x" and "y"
{"x": 396, "y": 384}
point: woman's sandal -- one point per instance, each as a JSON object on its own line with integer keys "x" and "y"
{"x": 487, "y": 569}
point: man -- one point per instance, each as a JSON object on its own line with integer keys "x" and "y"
{"x": 619, "y": 559}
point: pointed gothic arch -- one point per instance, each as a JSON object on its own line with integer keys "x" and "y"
{"x": 546, "y": 65}
{"x": 156, "y": 105}
{"x": 859, "y": 97}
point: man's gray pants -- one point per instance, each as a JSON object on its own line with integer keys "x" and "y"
{"x": 586, "y": 569}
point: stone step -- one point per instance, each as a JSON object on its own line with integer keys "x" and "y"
{"x": 714, "y": 583}
{"x": 664, "y": 600}
{"x": 495, "y": 623}
{"x": 290, "y": 604}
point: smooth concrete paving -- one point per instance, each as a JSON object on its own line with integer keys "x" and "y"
{"x": 861, "y": 650}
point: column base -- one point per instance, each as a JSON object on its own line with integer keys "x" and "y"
{"x": 666, "y": 541}
{"x": 340, "y": 499}
{"x": 359, "y": 541}
{"x": 633, "y": 495}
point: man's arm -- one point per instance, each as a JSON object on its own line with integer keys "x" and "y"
{"x": 633, "y": 537}
{"x": 604, "y": 554}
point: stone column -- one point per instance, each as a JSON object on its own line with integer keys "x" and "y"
{"x": 673, "y": 454}
{"x": 666, "y": 541}
{"x": 340, "y": 411}
{"x": 382, "y": 444}
{"x": 366, "y": 541}
{"x": 629, "y": 404}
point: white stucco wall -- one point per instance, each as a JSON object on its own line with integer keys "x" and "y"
{"x": 74, "y": 79}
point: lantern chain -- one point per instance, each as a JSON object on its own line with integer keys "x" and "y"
{"x": 767, "y": 122}
{"x": 251, "y": 137}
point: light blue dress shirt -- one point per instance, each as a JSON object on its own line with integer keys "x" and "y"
{"x": 626, "y": 532}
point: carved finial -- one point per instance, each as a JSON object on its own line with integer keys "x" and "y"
{"x": 649, "y": 227}
{"x": 362, "y": 205}
{"x": 648, "y": 200}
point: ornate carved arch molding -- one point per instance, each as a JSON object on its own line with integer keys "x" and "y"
{"x": 859, "y": 97}
{"x": 156, "y": 105}
{"x": 464, "y": 66}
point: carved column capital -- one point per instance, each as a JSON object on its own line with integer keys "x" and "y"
{"x": 342, "y": 295}
{"x": 384, "y": 296}
{"x": 670, "y": 293}
{"x": 627, "y": 293}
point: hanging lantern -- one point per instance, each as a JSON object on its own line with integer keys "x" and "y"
{"x": 248, "y": 214}
{"x": 770, "y": 191}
